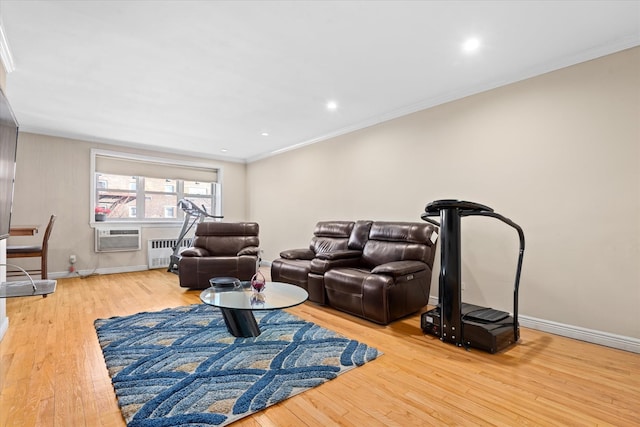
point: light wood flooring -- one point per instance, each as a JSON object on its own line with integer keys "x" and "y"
{"x": 52, "y": 372}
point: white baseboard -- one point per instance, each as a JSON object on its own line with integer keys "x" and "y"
{"x": 583, "y": 334}
{"x": 111, "y": 270}
{"x": 576, "y": 332}
{"x": 128, "y": 269}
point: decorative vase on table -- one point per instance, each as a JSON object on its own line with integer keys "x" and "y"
{"x": 258, "y": 282}
{"x": 257, "y": 299}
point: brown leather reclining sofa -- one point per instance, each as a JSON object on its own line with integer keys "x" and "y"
{"x": 380, "y": 271}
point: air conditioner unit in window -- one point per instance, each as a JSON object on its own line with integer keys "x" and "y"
{"x": 120, "y": 239}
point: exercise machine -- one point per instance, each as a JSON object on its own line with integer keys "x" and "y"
{"x": 453, "y": 321}
{"x": 192, "y": 215}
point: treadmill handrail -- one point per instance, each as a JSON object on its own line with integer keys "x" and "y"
{"x": 516, "y": 286}
{"x": 190, "y": 208}
{"x": 425, "y": 217}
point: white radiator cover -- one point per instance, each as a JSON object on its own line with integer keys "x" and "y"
{"x": 117, "y": 239}
{"x": 159, "y": 251}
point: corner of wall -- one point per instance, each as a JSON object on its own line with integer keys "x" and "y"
{"x": 4, "y": 320}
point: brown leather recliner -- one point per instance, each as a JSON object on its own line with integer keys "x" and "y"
{"x": 391, "y": 279}
{"x": 220, "y": 249}
{"x": 294, "y": 265}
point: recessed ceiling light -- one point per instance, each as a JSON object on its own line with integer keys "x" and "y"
{"x": 265, "y": 134}
{"x": 471, "y": 45}
{"x": 332, "y": 105}
{"x": 224, "y": 150}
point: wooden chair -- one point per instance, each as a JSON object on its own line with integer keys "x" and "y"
{"x": 33, "y": 251}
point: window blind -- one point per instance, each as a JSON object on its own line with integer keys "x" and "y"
{"x": 153, "y": 169}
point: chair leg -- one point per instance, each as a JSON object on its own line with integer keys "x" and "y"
{"x": 43, "y": 268}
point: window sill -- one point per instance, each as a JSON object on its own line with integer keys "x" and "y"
{"x": 135, "y": 223}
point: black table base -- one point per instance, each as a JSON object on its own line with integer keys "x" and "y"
{"x": 241, "y": 323}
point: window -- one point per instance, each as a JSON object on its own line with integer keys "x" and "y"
{"x": 169, "y": 211}
{"x": 132, "y": 188}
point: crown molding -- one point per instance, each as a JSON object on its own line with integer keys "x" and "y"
{"x": 5, "y": 52}
{"x": 629, "y": 42}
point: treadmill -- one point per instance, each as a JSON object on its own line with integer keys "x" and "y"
{"x": 192, "y": 215}
{"x": 453, "y": 321}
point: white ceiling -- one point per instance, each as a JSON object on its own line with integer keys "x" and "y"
{"x": 201, "y": 77}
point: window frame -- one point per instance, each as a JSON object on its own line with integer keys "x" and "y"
{"x": 216, "y": 197}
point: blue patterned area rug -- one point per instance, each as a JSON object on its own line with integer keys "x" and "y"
{"x": 181, "y": 367}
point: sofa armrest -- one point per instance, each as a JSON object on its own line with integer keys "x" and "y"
{"x": 399, "y": 268}
{"x": 298, "y": 254}
{"x": 321, "y": 266}
{"x": 336, "y": 255}
{"x": 195, "y": 252}
{"x": 249, "y": 250}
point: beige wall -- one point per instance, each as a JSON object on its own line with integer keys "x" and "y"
{"x": 558, "y": 154}
{"x": 53, "y": 176}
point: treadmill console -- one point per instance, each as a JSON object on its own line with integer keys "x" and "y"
{"x": 438, "y": 205}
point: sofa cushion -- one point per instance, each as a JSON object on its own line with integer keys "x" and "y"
{"x": 359, "y": 292}
{"x": 359, "y": 235}
{"x": 399, "y": 268}
{"x": 333, "y": 229}
{"x": 380, "y": 298}
{"x": 307, "y": 254}
{"x": 398, "y": 241}
{"x": 195, "y": 252}
{"x": 226, "y": 239}
{"x": 330, "y": 236}
{"x": 249, "y": 250}
{"x": 293, "y": 271}
{"x": 409, "y": 232}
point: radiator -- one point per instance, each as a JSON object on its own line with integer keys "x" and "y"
{"x": 160, "y": 250}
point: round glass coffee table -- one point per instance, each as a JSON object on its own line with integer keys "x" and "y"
{"x": 237, "y": 304}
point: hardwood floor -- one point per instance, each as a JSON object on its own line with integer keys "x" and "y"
{"x": 52, "y": 372}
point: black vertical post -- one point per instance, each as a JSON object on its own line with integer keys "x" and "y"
{"x": 450, "y": 276}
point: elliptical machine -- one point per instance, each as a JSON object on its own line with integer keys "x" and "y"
{"x": 193, "y": 215}
{"x": 452, "y": 320}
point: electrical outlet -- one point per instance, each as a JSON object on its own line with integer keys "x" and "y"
{"x": 72, "y": 259}
{"x": 462, "y": 286}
